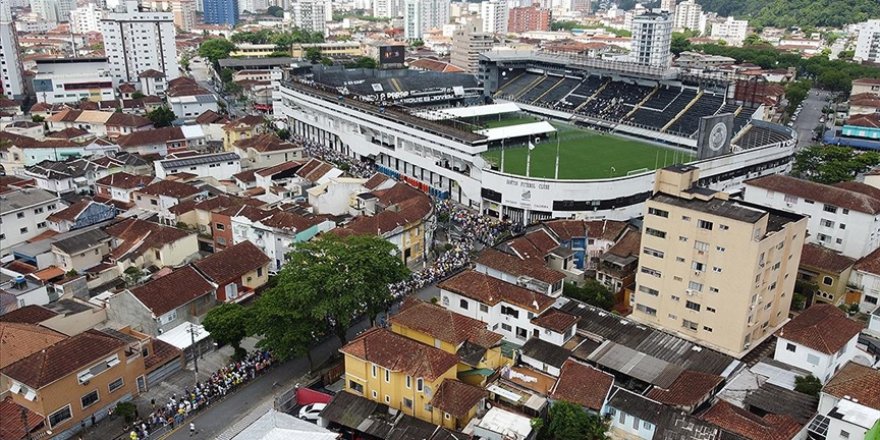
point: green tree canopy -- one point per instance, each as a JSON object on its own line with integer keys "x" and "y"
{"x": 313, "y": 54}
{"x": 228, "y": 324}
{"x": 800, "y": 13}
{"x": 332, "y": 279}
{"x": 162, "y": 116}
{"x": 364, "y": 63}
{"x": 592, "y": 292}
{"x": 832, "y": 164}
{"x": 569, "y": 421}
{"x": 808, "y": 385}
{"x": 679, "y": 43}
{"x": 216, "y": 49}
{"x": 796, "y": 92}
{"x": 275, "y": 11}
{"x": 564, "y": 25}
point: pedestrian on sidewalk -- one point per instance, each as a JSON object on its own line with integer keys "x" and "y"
{"x": 192, "y": 429}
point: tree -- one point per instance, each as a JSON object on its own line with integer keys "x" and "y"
{"x": 363, "y": 63}
{"x": 38, "y": 118}
{"x": 132, "y": 275}
{"x": 754, "y": 40}
{"x": 216, "y": 49}
{"x": 679, "y": 43}
{"x": 417, "y": 43}
{"x": 592, "y": 292}
{"x": 564, "y": 25}
{"x": 333, "y": 279}
{"x": 795, "y": 93}
{"x": 569, "y": 421}
{"x": 275, "y": 11}
{"x": 313, "y": 54}
{"x": 228, "y": 324}
{"x": 283, "y": 133}
{"x": 832, "y": 164}
{"x": 809, "y": 385}
{"x": 286, "y": 329}
{"x": 162, "y": 116}
{"x": 137, "y": 95}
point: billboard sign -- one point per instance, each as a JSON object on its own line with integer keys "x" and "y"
{"x": 392, "y": 54}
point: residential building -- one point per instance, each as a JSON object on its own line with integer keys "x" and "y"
{"x": 276, "y": 424}
{"x": 119, "y": 188}
{"x": 161, "y": 195}
{"x": 583, "y": 385}
{"x": 81, "y": 214}
{"x": 12, "y": 84}
{"x": 188, "y": 99}
{"x": 632, "y": 415}
{"x": 143, "y": 244}
{"x": 221, "y": 224}
{"x": 388, "y": 8}
{"x": 689, "y": 16}
{"x": 276, "y": 233}
{"x": 542, "y": 246}
{"x": 242, "y": 128}
{"x": 212, "y": 125}
{"x": 868, "y": 42}
{"x": 184, "y": 12}
{"x": 828, "y": 270}
{"x": 843, "y": 217}
{"x": 21, "y": 291}
{"x": 651, "y": 39}
{"x": 494, "y": 15}
{"x": 421, "y": 16}
{"x": 224, "y": 12}
{"x": 744, "y": 424}
{"x": 110, "y": 124}
{"x": 617, "y": 266}
{"x": 310, "y": 15}
{"x": 667, "y": 5}
{"x": 77, "y": 378}
{"x": 527, "y": 273}
{"x": 24, "y": 214}
{"x": 731, "y": 30}
{"x": 81, "y": 252}
{"x": 198, "y": 213}
{"x": 237, "y": 271}
{"x": 849, "y": 404}
{"x": 135, "y": 41}
{"x": 267, "y": 150}
{"x": 865, "y": 279}
{"x": 152, "y": 83}
{"x": 865, "y": 86}
{"x": 220, "y": 166}
{"x": 468, "y": 42}
{"x": 165, "y": 303}
{"x": 53, "y": 11}
{"x": 685, "y": 284}
{"x": 529, "y": 18}
{"x": 62, "y": 177}
{"x": 86, "y": 19}
{"x": 505, "y": 308}
{"x": 820, "y": 340}
{"x": 19, "y": 340}
{"x": 163, "y": 141}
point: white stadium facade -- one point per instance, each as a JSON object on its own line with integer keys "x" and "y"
{"x": 383, "y": 117}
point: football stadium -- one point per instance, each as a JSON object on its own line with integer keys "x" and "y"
{"x": 539, "y": 135}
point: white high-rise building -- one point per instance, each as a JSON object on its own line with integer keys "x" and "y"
{"x": 689, "y": 15}
{"x": 494, "y": 14}
{"x": 651, "y": 38}
{"x": 388, "y": 8}
{"x": 55, "y": 11}
{"x": 85, "y": 19}
{"x": 868, "y": 43}
{"x": 424, "y": 15}
{"x": 136, "y": 41}
{"x": 667, "y": 5}
{"x": 11, "y": 78}
{"x": 730, "y": 30}
{"x": 252, "y": 5}
{"x": 310, "y": 15}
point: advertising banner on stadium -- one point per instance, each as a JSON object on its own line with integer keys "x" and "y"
{"x": 713, "y": 138}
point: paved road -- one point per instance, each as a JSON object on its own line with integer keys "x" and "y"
{"x": 223, "y": 415}
{"x": 809, "y": 117}
{"x": 201, "y": 72}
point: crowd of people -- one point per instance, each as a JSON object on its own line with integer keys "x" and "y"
{"x": 178, "y": 407}
{"x": 354, "y": 167}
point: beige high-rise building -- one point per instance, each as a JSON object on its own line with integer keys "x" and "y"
{"x": 184, "y": 14}
{"x": 468, "y": 42}
{"x": 714, "y": 270}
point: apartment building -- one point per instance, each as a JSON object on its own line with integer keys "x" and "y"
{"x": 689, "y": 15}
{"x": 221, "y": 12}
{"x": 468, "y": 42}
{"x": 713, "y": 270}
{"x": 494, "y": 14}
{"x": 24, "y": 214}
{"x": 528, "y": 19}
{"x": 651, "y": 39}
{"x": 730, "y": 30}
{"x": 12, "y": 84}
{"x": 868, "y": 42}
{"x": 135, "y": 41}
{"x": 86, "y": 18}
{"x": 421, "y": 16}
{"x": 843, "y": 217}
{"x": 63, "y": 80}
{"x": 310, "y": 15}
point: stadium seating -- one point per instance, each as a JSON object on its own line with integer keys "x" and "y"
{"x": 517, "y": 84}
{"x": 743, "y": 118}
{"x": 539, "y": 89}
{"x": 581, "y": 93}
{"x": 615, "y": 100}
{"x": 655, "y": 114}
{"x": 689, "y": 122}
{"x": 551, "y": 99}
{"x": 756, "y": 136}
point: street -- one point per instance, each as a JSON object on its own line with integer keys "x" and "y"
{"x": 201, "y": 72}
{"x": 219, "y": 417}
{"x": 808, "y": 119}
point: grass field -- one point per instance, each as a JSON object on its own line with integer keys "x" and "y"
{"x": 507, "y": 122}
{"x": 585, "y": 154}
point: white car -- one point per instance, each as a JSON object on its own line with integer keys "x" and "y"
{"x": 311, "y": 411}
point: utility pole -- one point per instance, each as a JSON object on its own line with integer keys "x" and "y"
{"x": 192, "y": 333}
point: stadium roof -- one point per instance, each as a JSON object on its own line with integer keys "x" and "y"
{"x": 470, "y": 112}
{"x": 256, "y": 62}
{"x": 517, "y": 131}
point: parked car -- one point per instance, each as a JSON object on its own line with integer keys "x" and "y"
{"x": 312, "y": 411}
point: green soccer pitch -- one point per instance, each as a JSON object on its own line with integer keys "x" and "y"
{"x": 586, "y": 154}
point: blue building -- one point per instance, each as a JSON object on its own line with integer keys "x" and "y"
{"x": 221, "y": 12}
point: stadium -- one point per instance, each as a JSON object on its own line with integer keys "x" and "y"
{"x": 538, "y": 135}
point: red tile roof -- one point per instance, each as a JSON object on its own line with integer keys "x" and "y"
{"x": 556, "y": 320}
{"x": 151, "y": 137}
{"x": 247, "y": 176}
{"x": 171, "y": 291}
{"x": 12, "y": 423}
{"x": 400, "y": 354}
{"x": 64, "y": 358}
{"x": 491, "y": 291}
{"x": 211, "y": 117}
{"x": 858, "y": 382}
{"x": 516, "y": 266}
{"x": 32, "y": 314}
{"x": 750, "y": 426}
{"x": 280, "y": 168}
{"x": 71, "y": 213}
{"x": 869, "y": 263}
{"x": 267, "y": 142}
{"x": 689, "y": 389}
{"x": 822, "y": 327}
{"x": 137, "y": 236}
{"x": 843, "y": 197}
{"x": 402, "y": 205}
{"x": 534, "y": 244}
{"x": 291, "y": 221}
{"x": 824, "y": 259}
{"x": 19, "y": 340}
{"x": 377, "y": 179}
{"x": 583, "y": 385}
{"x": 170, "y": 188}
{"x": 232, "y": 263}
{"x": 314, "y": 169}
{"x": 151, "y": 73}
{"x": 445, "y": 325}
{"x": 128, "y": 120}
{"x": 457, "y": 398}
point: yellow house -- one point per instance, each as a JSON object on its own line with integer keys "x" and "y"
{"x": 414, "y": 378}
{"x": 244, "y": 127}
{"x": 828, "y": 270}
{"x": 478, "y": 349}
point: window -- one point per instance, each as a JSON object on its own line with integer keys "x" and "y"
{"x": 219, "y": 227}
{"x": 720, "y": 249}
{"x": 703, "y": 224}
{"x": 387, "y": 399}
{"x": 375, "y": 371}
{"x": 713, "y": 289}
{"x": 58, "y": 417}
{"x": 790, "y": 198}
{"x": 463, "y": 304}
{"x": 646, "y": 310}
{"x": 420, "y": 384}
{"x": 791, "y": 347}
{"x": 812, "y": 359}
{"x": 844, "y": 434}
{"x": 387, "y": 376}
{"x": 679, "y": 260}
{"x": 23, "y": 230}
{"x": 845, "y": 211}
{"x": 829, "y": 208}
{"x": 375, "y": 394}
{"x": 653, "y": 252}
{"x": 689, "y": 325}
{"x": 358, "y": 388}
{"x": 693, "y": 285}
{"x": 259, "y": 271}
{"x": 484, "y": 308}
{"x": 870, "y": 299}
{"x": 692, "y": 305}
{"x": 708, "y": 329}
{"x": 506, "y": 327}
{"x": 658, "y": 212}
{"x": 823, "y": 237}
{"x": 41, "y": 225}
{"x": 409, "y": 381}
{"x": 808, "y": 201}
{"x": 723, "y": 227}
{"x": 649, "y": 291}
{"x": 445, "y": 300}
{"x": 827, "y": 223}
{"x": 710, "y": 309}
{"x": 842, "y": 226}
{"x": 509, "y": 311}
{"x": 407, "y": 403}
{"x": 701, "y": 246}
{"x": 116, "y": 384}
{"x": 699, "y": 267}
{"x": 682, "y": 238}
{"x": 655, "y": 232}
{"x": 716, "y": 269}
{"x": 154, "y": 202}
{"x": 89, "y": 399}
{"x": 652, "y": 272}
{"x": 19, "y": 215}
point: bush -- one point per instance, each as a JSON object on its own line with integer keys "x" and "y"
{"x": 809, "y": 385}
{"x": 592, "y": 292}
{"x": 126, "y": 410}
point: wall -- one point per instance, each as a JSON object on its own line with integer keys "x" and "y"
{"x": 34, "y": 220}
{"x": 629, "y": 424}
{"x": 81, "y": 261}
{"x": 541, "y": 366}
{"x": 76, "y": 323}
{"x": 869, "y": 284}
{"x": 125, "y": 307}
{"x": 504, "y": 324}
{"x": 824, "y": 367}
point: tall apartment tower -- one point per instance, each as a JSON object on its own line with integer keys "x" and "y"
{"x": 494, "y": 14}
{"x": 651, "y": 39}
{"x": 184, "y": 12}
{"x": 309, "y": 15}
{"x": 11, "y": 75}
{"x": 868, "y": 42}
{"x": 667, "y": 5}
{"x": 55, "y": 11}
{"x": 689, "y": 15}
{"x": 420, "y": 16}
{"x": 388, "y": 8}
{"x": 136, "y": 41}
{"x": 714, "y": 270}
{"x": 468, "y": 42}
{"x": 220, "y": 12}
{"x": 528, "y": 18}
